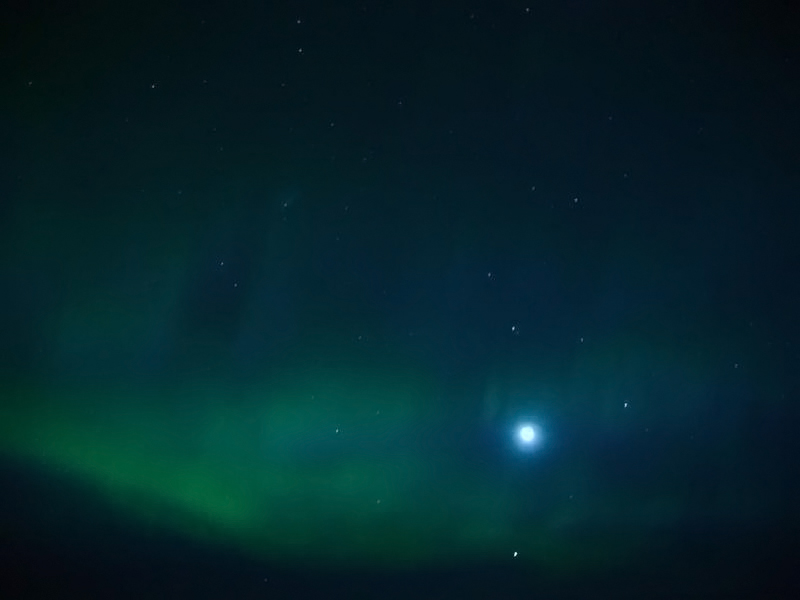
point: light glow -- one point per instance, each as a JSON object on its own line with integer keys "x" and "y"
{"x": 527, "y": 434}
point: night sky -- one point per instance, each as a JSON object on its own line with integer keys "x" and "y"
{"x": 399, "y": 299}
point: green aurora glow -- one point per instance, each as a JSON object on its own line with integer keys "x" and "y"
{"x": 331, "y": 470}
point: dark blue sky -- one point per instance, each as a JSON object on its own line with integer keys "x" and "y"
{"x": 283, "y": 280}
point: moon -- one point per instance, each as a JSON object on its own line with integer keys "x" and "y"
{"x": 527, "y": 434}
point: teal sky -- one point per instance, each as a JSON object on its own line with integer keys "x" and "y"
{"x": 281, "y": 283}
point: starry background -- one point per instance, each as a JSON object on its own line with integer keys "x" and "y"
{"x": 282, "y": 280}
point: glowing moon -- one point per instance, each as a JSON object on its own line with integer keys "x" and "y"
{"x": 527, "y": 434}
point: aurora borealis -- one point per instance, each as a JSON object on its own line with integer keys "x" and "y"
{"x": 388, "y": 300}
